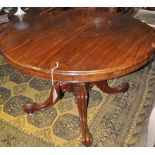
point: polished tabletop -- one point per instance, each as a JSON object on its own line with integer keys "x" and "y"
{"x": 89, "y": 45}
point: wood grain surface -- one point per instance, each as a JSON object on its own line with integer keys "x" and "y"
{"x": 89, "y": 45}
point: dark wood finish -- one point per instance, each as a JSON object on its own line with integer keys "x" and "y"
{"x": 91, "y": 46}
{"x": 31, "y": 107}
{"x": 151, "y": 8}
{"x": 108, "y": 9}
{"x": 103, "y": 85}
{"x": 82, "y": 100}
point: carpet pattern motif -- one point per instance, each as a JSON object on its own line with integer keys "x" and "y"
{"x": 114, "y": 120}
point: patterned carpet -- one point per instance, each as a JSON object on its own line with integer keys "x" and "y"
{"x": 114, "y": 120}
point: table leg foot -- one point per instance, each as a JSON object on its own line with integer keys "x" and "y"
{"x": 82, "y": 100}
{"x": 87, "y": 138}
{"x": 103, "y": 85}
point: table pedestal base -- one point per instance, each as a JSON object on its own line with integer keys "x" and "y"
{"x": 80, "y": 90}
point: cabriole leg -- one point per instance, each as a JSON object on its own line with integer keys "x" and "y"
{"x": 82, "y": 100}
{"x": 32, "y": 107}
{"x": 103, "y": 85}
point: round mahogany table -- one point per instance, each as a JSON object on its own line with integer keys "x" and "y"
{"x": 90, "y": 47}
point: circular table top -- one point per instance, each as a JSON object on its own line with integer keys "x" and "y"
{"x": 88, "y": 45}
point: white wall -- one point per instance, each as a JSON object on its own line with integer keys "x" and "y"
{"x": 151, "y": 129}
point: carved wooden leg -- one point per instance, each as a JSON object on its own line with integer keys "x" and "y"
{"x": 31, "y": 107}
{"x": 103, "y": 85}
{"x": 82, "y": 99}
